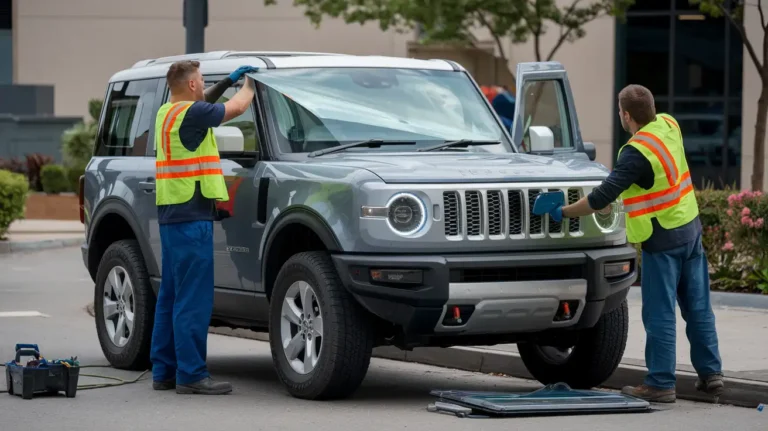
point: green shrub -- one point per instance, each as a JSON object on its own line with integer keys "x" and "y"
{"x": 78, "y": 141}
{"x": 54, "y": 179}
{"x": 73, "y": 175}
{"x": 13, "y": 198}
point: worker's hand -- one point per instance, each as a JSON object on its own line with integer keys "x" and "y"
{"x": 550, "y": 203}
{"x": 242, "y": 70}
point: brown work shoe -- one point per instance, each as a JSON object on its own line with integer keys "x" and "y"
{"x": 712, "y": 385}
{"x": 651, "y": 394}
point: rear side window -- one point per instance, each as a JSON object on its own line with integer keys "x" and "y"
{"x": 128, "y": 119}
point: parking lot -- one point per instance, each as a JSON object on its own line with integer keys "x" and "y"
{"x": 394, "y": 395}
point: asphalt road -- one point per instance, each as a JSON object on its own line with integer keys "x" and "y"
{"x": 393, "y": 396}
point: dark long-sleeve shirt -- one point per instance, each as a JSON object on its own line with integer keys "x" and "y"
{"x": 633, "y": 167}
{"x": 200, "y": 117}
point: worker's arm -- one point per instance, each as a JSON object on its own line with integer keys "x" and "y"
{"x": 240, "y": 102}
{"x": 631, "y": 168}
{"x": 214, "y": 92}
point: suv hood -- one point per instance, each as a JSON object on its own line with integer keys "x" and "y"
{"x": 476, "y": 167}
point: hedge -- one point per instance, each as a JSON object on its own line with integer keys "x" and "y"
{"x": 735, "y": 239}
{"x": 54, "y": 179}
{"x": 13, "y": 198}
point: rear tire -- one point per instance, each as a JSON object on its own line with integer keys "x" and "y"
{"x": 592, "y": 360}
{"x": 131, "y": 352}
{"x": 346, "y": 339}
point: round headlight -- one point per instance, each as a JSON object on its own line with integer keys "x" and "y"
{"x": 608, "y": 219}
{"x": 406, "y": 214}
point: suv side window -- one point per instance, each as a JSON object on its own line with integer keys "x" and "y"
{"x": 128, "y": 119}
{"x": 544, "y": 104}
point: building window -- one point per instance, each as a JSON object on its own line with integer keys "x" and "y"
{"x": 693, "y": 65}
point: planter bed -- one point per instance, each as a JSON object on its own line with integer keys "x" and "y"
{"x": 42, "y": 206}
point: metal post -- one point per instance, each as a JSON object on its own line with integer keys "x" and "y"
{"x": 195, "y": 21}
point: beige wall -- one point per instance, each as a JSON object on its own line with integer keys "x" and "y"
{"x": 77, "y": 45}
{"x": 750, "y": 94}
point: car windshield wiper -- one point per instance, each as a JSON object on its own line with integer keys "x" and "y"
{"x": 370, "y": 143}
{"x": 459, "y": 143}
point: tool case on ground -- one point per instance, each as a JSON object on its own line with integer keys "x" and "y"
{"x": 39, "y": 375}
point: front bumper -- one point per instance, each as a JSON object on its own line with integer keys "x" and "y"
{"x": 508, "y": 293}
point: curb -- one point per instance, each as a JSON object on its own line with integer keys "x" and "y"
{"x": 739, "y": 392}
{"x": 7, "y": 247}
{"x": 724, "y": 299}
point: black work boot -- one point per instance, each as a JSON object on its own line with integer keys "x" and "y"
{"x": 207, "y": 386}
{"x": 164, "y": 385}
{"x": 712, "y": 385}
{"x": 651, "y": 394}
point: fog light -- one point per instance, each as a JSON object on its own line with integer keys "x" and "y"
{"x": 405, "y": 276}
{"x": 617, "y": 269}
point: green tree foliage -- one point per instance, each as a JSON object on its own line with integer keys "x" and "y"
{"x": 734, "y": 11}
{"x": 454, "y": 20}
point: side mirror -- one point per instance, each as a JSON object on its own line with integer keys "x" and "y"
{"x": 542, "y": 139}
{"x": 591, "y": 151}
{"x": 229, "y": 139}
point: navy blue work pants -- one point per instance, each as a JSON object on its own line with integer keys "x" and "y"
{"x": 678, "y": 274}
{"x": 184, "y": 303}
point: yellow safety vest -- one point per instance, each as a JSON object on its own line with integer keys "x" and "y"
{"x": 178, "y": 169}
{"x": 671, "y": 200}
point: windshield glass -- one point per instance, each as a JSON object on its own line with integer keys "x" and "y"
{"x": 315, "y": 109}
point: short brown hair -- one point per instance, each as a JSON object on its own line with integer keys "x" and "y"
{"x": 638, "y": 102}
{"x": 179, "y": 72}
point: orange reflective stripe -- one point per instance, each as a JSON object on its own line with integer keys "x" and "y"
{"x": 187, "y": 174}
{"x": 190, "y": 161}
{"x": 658, "y": 201}
{"x": 656, "y": 195}
{"x": 168, "y": 125}
{"x": 672, "y": 122}
{"x": 658, "y": 148}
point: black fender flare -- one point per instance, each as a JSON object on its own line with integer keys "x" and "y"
{"x": 121, "y": 208}
{"x": 298, "y": 215}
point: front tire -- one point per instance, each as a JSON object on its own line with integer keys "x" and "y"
{"x": 590, "y": 362}
{"x": 124, "y": 306}
{"x": 320, "y": 338}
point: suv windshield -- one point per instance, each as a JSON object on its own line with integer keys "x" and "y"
{"x": 316, "y": 109}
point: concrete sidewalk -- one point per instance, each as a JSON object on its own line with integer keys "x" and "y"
{"x": 742, "y": 333}
{"x": 34, "y": 235}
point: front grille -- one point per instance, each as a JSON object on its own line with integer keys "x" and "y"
{"x": 497, "y": 214}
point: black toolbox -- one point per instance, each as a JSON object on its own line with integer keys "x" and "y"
{"x": 41, "y": 377}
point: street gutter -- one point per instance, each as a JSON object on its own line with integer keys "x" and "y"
{"x": 739, "y": 392}
{"x": 742, "y": 392}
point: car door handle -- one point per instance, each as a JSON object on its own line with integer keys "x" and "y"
{"x": 147, "y": 186}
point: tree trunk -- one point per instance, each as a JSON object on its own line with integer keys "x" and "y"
{"x": 759, "y": 144}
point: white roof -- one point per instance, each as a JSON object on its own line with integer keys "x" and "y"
{"x": 224, "y": 62}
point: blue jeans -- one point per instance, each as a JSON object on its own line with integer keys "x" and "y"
{"x": 184, "y": 303}
{"x": 680, "y": 273}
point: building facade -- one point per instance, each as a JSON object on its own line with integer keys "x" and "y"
{"x": 695, "y": 65}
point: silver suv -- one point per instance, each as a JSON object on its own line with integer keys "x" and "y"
{"x": 374, "y": 201}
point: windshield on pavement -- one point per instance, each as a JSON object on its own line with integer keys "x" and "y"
{"x": 316, "y": 109}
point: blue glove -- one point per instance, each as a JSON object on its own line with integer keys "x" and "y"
{"x": 550, "y": 203}
{"x": 242, "y": 70}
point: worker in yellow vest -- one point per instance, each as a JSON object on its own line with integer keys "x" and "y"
{"x": 189, "y": 182}
{"x": 652, "y": 178}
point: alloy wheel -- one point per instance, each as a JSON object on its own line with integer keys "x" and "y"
{"x": 301, "y": 327}
{"x": 118, "y": 306}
